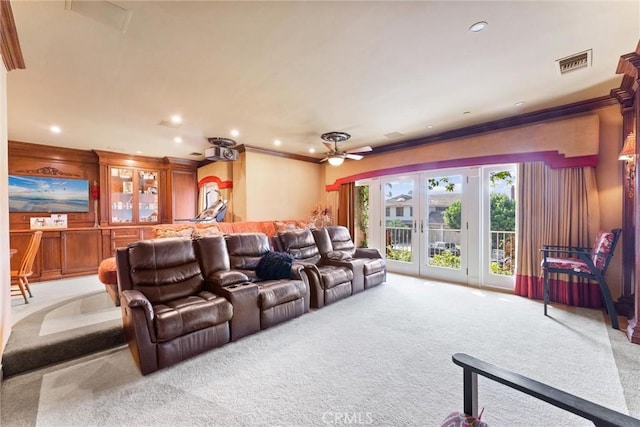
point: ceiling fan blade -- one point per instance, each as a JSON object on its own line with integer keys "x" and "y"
{"x": 353, "y": 156}
{"x": 324, "y": 160}
{"x": 329, "y": 146}
{"x": 360, "y": 150}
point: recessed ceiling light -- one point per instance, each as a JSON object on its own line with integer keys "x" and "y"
{"x": 478, "y": 26}
{"x": 429, "y": 126}
{"x": 177, "y": 140}
{"x": 466, "y": 113}
{"x": 520, "y": 103}
{"x": 176, "y": 119}
{"x": 234, "y": 132}
{"x": 277, "y": 142}
{"x": 138, "y": 152}
{"x": 55, "y": 129}
{"x": 312, "y": 150}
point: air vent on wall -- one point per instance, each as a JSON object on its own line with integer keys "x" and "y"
{"x": 106, "y": 12}
{"x": 574, "y": 62}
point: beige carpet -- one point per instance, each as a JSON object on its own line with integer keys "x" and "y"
{"x": 382, "y": 357}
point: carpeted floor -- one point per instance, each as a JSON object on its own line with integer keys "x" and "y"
{"x": 71, "y": 328}
{"x": 382, "y": 357}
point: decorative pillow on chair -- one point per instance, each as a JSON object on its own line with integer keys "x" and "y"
{"x": 274, "y": 265}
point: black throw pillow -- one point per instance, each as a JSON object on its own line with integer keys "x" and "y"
{"x": 274, "y": 265}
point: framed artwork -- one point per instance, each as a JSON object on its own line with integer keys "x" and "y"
{"x": 127, "y": 187}
{"x": 45, "y": 194}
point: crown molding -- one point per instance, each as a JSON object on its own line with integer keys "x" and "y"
{"x": 9, "y": 43}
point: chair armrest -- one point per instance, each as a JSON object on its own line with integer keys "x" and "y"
{"x": 133, "y": 299}
{"x": 227, "y": 277}
{"x": 575, "y": 253}
{"x": 136, "y": 307}
{"x": 575, "y": 248}
{"x": 296, "y": 271}
{"x": 367, "y": 253}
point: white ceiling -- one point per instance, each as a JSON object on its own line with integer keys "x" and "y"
{"x": 294, "y": 70}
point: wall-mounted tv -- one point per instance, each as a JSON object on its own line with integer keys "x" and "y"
{"x": 44, "y": 194}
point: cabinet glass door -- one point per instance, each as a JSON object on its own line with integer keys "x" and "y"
{"x": 147, "y": 196}
{"x": 121, "y": 195}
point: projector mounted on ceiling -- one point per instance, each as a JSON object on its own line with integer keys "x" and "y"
{"x": 221, "y": 150}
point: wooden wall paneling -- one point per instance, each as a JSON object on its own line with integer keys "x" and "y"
{"x": 624, "y": 306}
{"x": 147, "y": 232}
{"x": 81, "y": 251}
{"x": 47, "y": 161}
{"x": 629, "y": 98}
{"x": 184, "y": 187}
{"x": 105, "y": 242}
{"x": 181, "y": 189}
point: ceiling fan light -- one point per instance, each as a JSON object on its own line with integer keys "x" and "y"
{"x": 336, "y": 160}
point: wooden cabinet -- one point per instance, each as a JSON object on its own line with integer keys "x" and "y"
{"x": 136, "y": 192}
{"x": 62, "y": 253}
{"x": 121, "y": 237}
{"x": 81, "y": 251}
{"x": 143, "y": 191}
{"x": 133, "y": 195}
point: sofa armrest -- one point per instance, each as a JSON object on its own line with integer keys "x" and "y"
{"x": 311, "y": 277}
{"x": 296, "y": 271}
{"x": 243, "y": 296}
{"x": 136, "y": 299}
{"x": 139, "y": 331}
{"x": 227, "y": 277}
{"x": 367, "y": 253}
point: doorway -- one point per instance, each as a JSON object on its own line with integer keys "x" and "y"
{"x": 456, "y": 225}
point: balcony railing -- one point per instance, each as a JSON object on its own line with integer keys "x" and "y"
{"x": 398, "y": 246}
{"x": 503, "y": 252}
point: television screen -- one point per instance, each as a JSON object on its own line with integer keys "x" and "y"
{"x": 44, "y": 194}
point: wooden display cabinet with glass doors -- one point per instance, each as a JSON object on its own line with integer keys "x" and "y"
{"x": 133, "y": 196}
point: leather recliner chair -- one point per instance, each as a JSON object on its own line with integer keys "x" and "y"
{"x": 329, "y": 283}
{"x": 336, "y": 247}
{"x": 277, "y": 300}
{"x": 168, "y": 313}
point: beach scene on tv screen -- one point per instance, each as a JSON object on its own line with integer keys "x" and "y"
{"x": 42, "y": 194}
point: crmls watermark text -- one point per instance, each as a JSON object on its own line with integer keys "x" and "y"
{"x": 347, "y": 418}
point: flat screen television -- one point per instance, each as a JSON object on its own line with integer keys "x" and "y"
{"x": 44, "y": 194}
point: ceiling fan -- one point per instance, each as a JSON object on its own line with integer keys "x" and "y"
{"x": 335, "y": 157}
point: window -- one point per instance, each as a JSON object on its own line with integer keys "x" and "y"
{"x": 399, "y": 212}
{"x": 387, "y": 212}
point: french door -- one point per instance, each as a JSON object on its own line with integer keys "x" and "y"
{"x": 400, "y": 223}
{"x": 455, "y": 225}
{"x": 444, "y": 225}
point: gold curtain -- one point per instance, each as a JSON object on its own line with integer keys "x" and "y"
{"x": 346, "y": 206}
{"x": 560, "y": 207}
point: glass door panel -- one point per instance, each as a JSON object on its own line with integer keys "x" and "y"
{"x": 400, "y": 224}
{"x": 121, "y": 195}
{"x": 443, "y": 243}
{"x": 148, "y": 196}
{"x": 500, "y": 235}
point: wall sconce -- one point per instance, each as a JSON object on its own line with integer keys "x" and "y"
{"x": 628, "y": 154}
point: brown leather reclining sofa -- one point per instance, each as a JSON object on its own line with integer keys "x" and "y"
{"x": 181, "y": 297}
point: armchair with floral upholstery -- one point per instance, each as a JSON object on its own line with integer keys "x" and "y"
{"x": 587, "y": 263}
